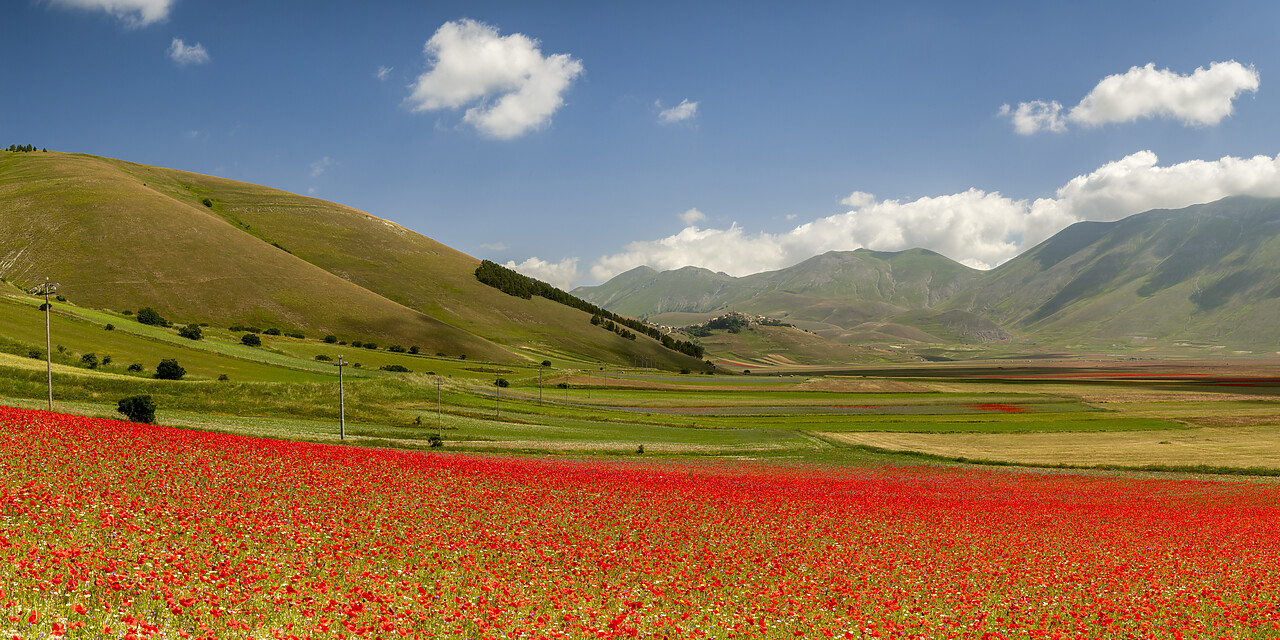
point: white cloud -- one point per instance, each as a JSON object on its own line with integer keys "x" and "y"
{"x": 182, "y": 54}
{"x": 692, "y": 216}
{"x": 978, "y": 228}
{"x": 134, "y": 13}
{"x": 563, "y": 274}
{"x": 513, "y": 87}
{"x": 494, "y": 246}
{"x": 1034, "y": 116}
{"x": 320, "y": 166}
{"x": 383, "y": 72}
{"x": 679, "y": 113}
{"x": 1203, "y": 98}
{"x": 191, "y": 134}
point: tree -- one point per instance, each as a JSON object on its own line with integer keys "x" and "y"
{"x": 147, "y": 315}
{"x": 191, "y": 332}
{"x": 414, "y": 350}
{"x": 138, "y": 408}
{"x": 89, "y": 360}
{"x": 169, "y": 369}
{"x": 251, "y": 339}
{"x": 330, "y": 339}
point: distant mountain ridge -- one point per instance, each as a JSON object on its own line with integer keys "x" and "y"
{"x": 1208, "y": 273}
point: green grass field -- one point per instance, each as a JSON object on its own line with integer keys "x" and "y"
{"x": 578, "y": 407}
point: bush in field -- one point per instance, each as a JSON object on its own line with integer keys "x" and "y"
{"x": 147, "y": 315}
{"x": 323, "y": 358}
{"x": 191, "y": 332}
{"x": 330, "y": 339}
{"x": 138, "y": 408}
{"x": 89, "y": 360}
{"x": 135, "y": 367}
{"x": 251, "y": 339}
{"x": 502, "y": 382}
{"x": 398, "y": 368}
{"x": 169, "y": 369}
{"x": 271, "y": 332}
{"x": 414, "y": 350}
{"x": 395, "y": 348}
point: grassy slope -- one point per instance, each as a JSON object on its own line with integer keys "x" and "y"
{"x": 404, "y": 266}
{"x": 77, "y": 219}
{"x": 1208, "y": 273}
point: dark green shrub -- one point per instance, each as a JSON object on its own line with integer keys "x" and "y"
{"x": 271, "y": 332}
{"x": 127, "y": 312}
{"x": 223, "y": 377}
{"x": 45, "y": 306}
{"x": 502, "y": 382}
{"x": 563, "y": 385}
{"x": 251, "y": 339}
{"x": 414, "y": 350}
{"x": 35, "y": 354}
{"x": 323, "y": 358}
{"x": 147, "y": 315}
{"x": 398, "y": 368}
{"x": 169, "y": 369}
{"x": 60, "y": 298}
{"x": 685, "y": 370}
{"x": 395, "y": 348}
{"x": 330, "y": 339}
{"x": 207, "y": 202}
{"x": 110, "y": 327}
{"x": 357, "y": 344}
{"x": 135, "y": 367}
{"x": 106, "y": 360}
{"x": 89, "y": 360}
{"x": 296, "y": 334}
{"x": 191, "y": 332}
{"x": 371, "y": 345}
{"x": 138, "y": 408}
{"x": 435, "y": 440}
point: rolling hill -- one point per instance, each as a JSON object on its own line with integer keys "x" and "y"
{"x": 121, "y": 235}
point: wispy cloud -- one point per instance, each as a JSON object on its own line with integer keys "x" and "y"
{"x": 978, "y": 228}
{"x": 512, "y": 87}
{"x": 134, "y": 13}
{"x": 494, "y": 246}
{"x": 320, "y": 166}
{"x": 684, "y": 111}
{"x": 1203, "y": 98}
{"x": 184, "y": 55}
{"x": 383, "y": 72}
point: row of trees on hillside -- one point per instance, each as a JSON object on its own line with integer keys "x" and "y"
{"x": 517, "y": 284}
{"x": 23, "y": 148}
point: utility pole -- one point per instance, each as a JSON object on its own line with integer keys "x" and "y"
{"x": 342, "y": 401}
{"x": 497, "y": 389}
{"x": 46, "y": 289}
{"x": 539, "y": 385}
{"x": 439, "y": 418}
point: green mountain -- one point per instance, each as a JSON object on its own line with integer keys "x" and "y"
{"x": 853, "y": 297}
{"x": 120, "y": 235}
{"x": 1207, "y": 274}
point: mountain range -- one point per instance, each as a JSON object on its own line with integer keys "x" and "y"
{"x": 1207, "y": 275}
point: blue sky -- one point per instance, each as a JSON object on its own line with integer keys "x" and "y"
{"x": 533, "y": 133}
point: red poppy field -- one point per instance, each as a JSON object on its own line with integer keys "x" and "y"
{"x": 109, "y": 529}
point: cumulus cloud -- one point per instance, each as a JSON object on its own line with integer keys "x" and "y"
{"x": 382, "y": 72}
{"x": 979, "y": 228}
{"x": 183, "y": 54}
{"x": 134, "y": 13}
{"x": 1203, "y": 98}
{"x": 692, "y": 216}
{"x": 563, "y": 274}
{"x": 679, "y": 113}
{"x": 513, "y": 88}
